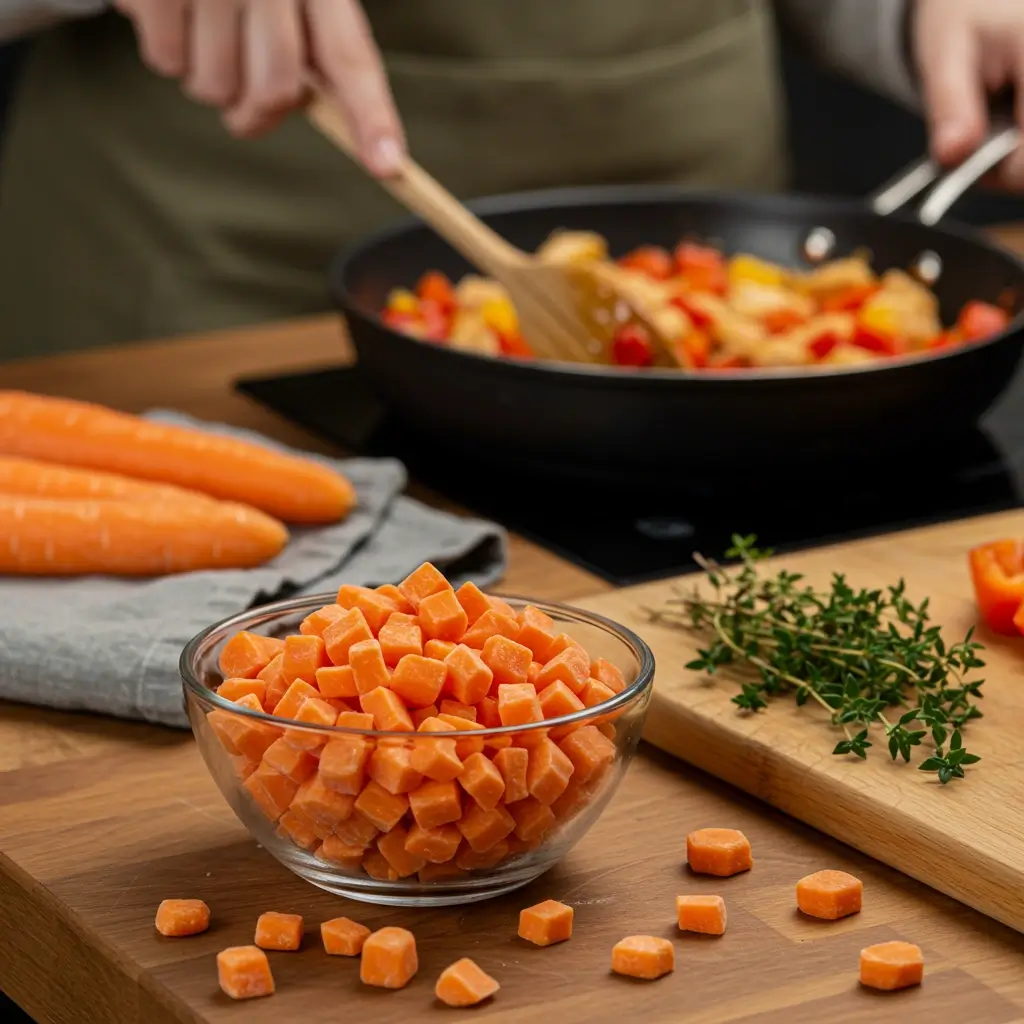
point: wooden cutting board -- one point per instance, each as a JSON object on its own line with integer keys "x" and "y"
{"x": 965, "y": 839}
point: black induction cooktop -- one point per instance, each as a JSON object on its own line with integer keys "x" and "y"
{"x": 638, "y": 531}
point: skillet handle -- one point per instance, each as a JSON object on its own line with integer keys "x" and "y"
{"x": 1004, "y": 138}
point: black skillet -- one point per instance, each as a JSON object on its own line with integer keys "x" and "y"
{"x": 623, "y": 425}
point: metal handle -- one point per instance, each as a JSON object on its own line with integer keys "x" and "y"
{"x": 1002, "y": 141}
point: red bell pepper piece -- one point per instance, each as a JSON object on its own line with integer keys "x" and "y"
{"x": 632, "y": 346}
{"x": 997, "y": 571}
{"x": 703, "y": 267}
{"x": 434, "y": 287}
{"x": 404, "y": 323}
{"x": 515, "y": 346}
{"x": 651, "y": 260}
{"x": 780, "y": 320}
{"x": 436, "y": 322}
{"x": 691, "y": 309}
{"x": 694, "y": 350}
{"x": 823, "y": 344}
{"x": 980, "y": 320}
{"x": 848, "y": 300}
{"x": 875, "y": 341}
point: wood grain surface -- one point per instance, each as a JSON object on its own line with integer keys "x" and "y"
{"x": 965, "y": 839}
{"x": 99, "y": 820}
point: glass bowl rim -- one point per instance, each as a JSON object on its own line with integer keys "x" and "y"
{"x": 278, "y": 609}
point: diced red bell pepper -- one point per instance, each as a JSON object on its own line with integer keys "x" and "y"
{"x": 651, "y": 260}
{"x": 822, "y": 346}
{"x": 694, "y": 350}
{"x": 434, "y": 287}
{"x": 515, "y": 346}
{"x": 997, "y": 571}
{"x": 980, "y": 320}
{"x": 632, "y": 346}
{"x": 691, "y": 309}
{"x": 780, "y": 320}
{"x": 436, "y": 322}
{"x": 873, "y": 340}
{"x": 848, "y": 300}
{"x": 703, "y": 267}
{"x": 404, "y": 323}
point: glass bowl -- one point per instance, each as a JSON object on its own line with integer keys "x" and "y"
{"x": 331, "y": 843}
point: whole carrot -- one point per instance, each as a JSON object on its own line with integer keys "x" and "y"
{"x": 93, "y": 437}
{"x": 33, "y": 479}
{"x": 42, "y": 537}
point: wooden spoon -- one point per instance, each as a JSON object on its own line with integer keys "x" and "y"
{"x": 568, "y": 313}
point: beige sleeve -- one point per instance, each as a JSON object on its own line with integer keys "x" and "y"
{"x": 862, "y": 39}
{"x": 23, "y": 17}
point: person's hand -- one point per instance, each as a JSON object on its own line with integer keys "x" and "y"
{"x": 250, "y": 59}
{"x": 966, "y": 51}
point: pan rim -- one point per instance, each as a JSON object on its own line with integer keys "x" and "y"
{"x": 641, "y": 194}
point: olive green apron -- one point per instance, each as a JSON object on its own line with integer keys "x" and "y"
{"x": 127, "y": 212}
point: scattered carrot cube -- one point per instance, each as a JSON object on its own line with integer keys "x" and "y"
{"x": 424, "y": 582}
{"x": 384, "y": 809}
{"x": 316, "y": 622}
{"x": 605, "y": 672}
{"x": 232, "y": 689}
{"x": 434, "y": 845}
{"x": 343, "y": 937}
{"x": 589, "y": 750}
{"x": 439, "y": 649}
{"x": 546, "y": 923}
{"x": 570, "y": 667}
{"x": 244, "y": 972}
{"x": 891, "y": 965}
{"x": 336, "y": 681}
{"x": 469, "y": 678}
{"x": 245, "y": 654}
{"x": 548, "y": 772}
{"x": 512, "y": 762}
{"x": 704, "y": 914}
{"x": 482, "y": 780}
{"x": 829, "y": 895}
{"x": 464, "y": 984}
{"x": 399, "y": 636}
{"x": 392, "y": 846}
{"x": 279, "y": 931}
{"x": 389, "y": 958}
{"x": 368, "y": 666}
{"x": 557, "y": 700}
{"x": 518, "y": 704}
{"x": 435, "y": 803}
{"x": 643, "y": 956}
{"x": 491, "y": 623}
{"x": 389, "y": 713}
{"x": 473, "y": 600}
{"x": 482, "y": 828}
{"x": 303, "y": 655}
{"x": 343, "y": 764}
{"x": 533, "y": 819}
{"x": 418, "y": 680}
{"x": 442, "y": 617}
{"x": 344, "y": 633}
{"x": 177, "y": 918}
{"x": 391, "y": 767}
{"x": 718, "y": 851}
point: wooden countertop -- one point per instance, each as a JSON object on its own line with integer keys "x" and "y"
{"x": 101, "y": 819}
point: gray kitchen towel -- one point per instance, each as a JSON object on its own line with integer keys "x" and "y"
{"x": 112, "y": 645}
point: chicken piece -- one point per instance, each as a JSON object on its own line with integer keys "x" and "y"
{"x": 756, "y": 300}
{"x": 839, "y": 324}
{"x": 573, "y": 247}
{"x": 779, "y": 351}
{"x": 473, "y": 292}
{"x": 848, "y": 355}
{"x": 670, "y": 322}
{"x": 836, "y": 276}
{"x": 471, "y": 334}
{"x": 915, "y": 308}
{"x": 643, "y": 292}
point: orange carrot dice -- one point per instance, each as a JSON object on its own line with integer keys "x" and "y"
{"x": 435, "y": 803}
{"x": 399, "y": 636}
{"x": 557, "y": 700}
{"x": 316, "y": 712}
{"x": 487, "y": 714}
{"x": 178, "y": 918}
{"x": 589, "y": 751}
{"x": 303, "y": 655}
{"x": 273, "y": 678}
{"x": 643, "y": 956}
{"x": 605, "y": 672}
{"x": 355, "y": 720}
{"x": 891, "y": 965}
{"x": 570, "y": 667}
{"x": 389, "y": 959}
{"x": 424, "y": 582}
{"x": 563, "y": 642}
{"x": 392, "y": 847}
{"x": 321, "y": 804}
{"x": 518, "y": 704}
{"x": 467, "y": 859}
{"x": 491, "y": 623}
{"x": 243, "y": 766}
{"x": 279, "y": 931}
{"x": 440, "y": 872}
{"x": 389, "y": 712}
{"x": 376, "y": 865}
{"x": 418, "y": 680}
{"x": 436, "y": 758}
{"x": 337, "y": 681}
{"x": 300, "y": 830}
{"x": 594, "y": 693}
{"x": 384, "y": 809}
{"x": 294, "y": 697}
{"x": 507, "y": 659}
{"x": 512, "y": 763}
{"x": 546, "y": 923}
{"x": 344, "y": 633}
{"x": 434, "y": 845}
{"x": 438, "y": 649}
{"x": 343, "y": 937}
{"x": 483, "y": 828}
{"x": 368, "y": 667}
{"x": 390, "y": 591}
{"x": 232, "y": 689}
{"x": 469, "y": 678}
{"x": 335, "y": 851}
{"x": 391, "y": 767}
{"x": 356, "y": 831}
{"x": 464, "y": 746}
{"x": 533, "y": 674}
{"x": 473, "y": 600}
{"x": 343, "y": 764}
{"x": 829, "y": 895}
{"x": 241, "y": 735}
{"x": 316, "y": 622}
{"x": 464, "y": 984}
{"x": 375, "y": 606}
{"x": 481, "y": 779}
{"x": 442, "y": 617}
{"x": 456, "y": 709}
{"x": 245, "y": 654}
{"x": 437, "y": 724}
{"x": 703, "y": 914}
{"x": 271, "y": 791}
{"x": 536, "y": 631}
{"x": 533, "y": 819}
{"x": 286, "y": 758}
{"x": 718, "y": 851}
{"x": 548, "y": 772}
{"x": 420, "y": 715}
{"x": 244, "y": 972}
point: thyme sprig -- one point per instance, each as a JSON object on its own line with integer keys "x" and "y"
{"x": 871, "y": 659}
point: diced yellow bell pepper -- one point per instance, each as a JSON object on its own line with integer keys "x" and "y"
{"x": 750, "y": 268}
{"x": 879, "y": 318}
{"x": 501, "y": 317}
{"x": 401, "y": 300}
